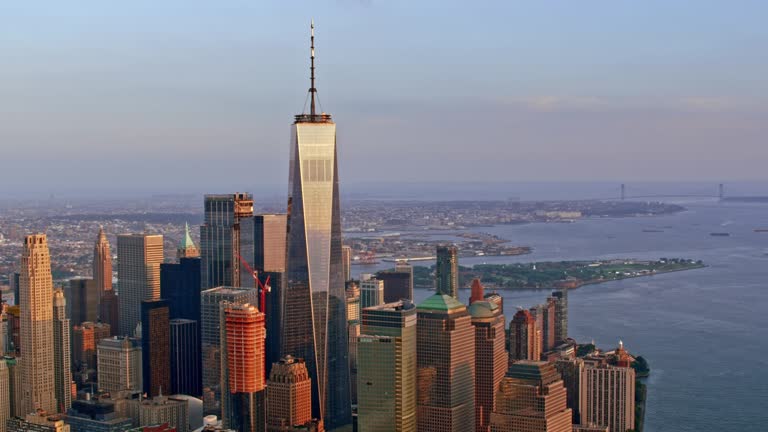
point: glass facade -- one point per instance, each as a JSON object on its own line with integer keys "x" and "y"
{"x": 315, "y": 306}
{"x": 220, "y": 238}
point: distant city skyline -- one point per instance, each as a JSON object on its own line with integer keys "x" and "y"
{"x": 604, "y": 90}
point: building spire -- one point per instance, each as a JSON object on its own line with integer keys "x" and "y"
{"x": 312, "y": 89}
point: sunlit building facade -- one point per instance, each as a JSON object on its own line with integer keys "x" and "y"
{"x": 491, "y": 359}
{"x": 524, "y": 338}
{"x": 386, "y": 373}
{"x": 138, "y": 274}
{"x": 445, "y": 366}
{"x": 531, "y": 398}
{"x": 38, "y": 383}
{"x": 315, "y": 303}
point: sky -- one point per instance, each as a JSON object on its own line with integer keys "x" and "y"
{"x": 198, "y": 96}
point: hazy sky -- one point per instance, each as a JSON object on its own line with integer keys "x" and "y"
{"x": 198, "y": 96}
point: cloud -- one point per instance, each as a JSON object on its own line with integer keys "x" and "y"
{"x": 558, "y": 103}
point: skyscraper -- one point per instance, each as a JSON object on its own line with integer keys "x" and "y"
{"x": 549, "y": 310}
{"x": 119, "y": 364}
{"x": 314, "y": 296}
{"x": 447, "y": 271}
{"x": 38, "y": 383}
{"x": 102, "y": 281}
{"x": 187, "y": 248}
{"x": 155, "y": 347}
{"x": 398, "y": 283}
{"x": 346, "y": 262}
{"x": 371, "y": 293}
{"x": 61, "y": 352}
{"x": 211, "y": 336}
{"x": 138, "y": 273}
{"x": 561, "y": 315}
{"x": 289, "y": 395}
{"x": 180, "y": 286}
{"x": 243, "y": 395}
{"x": 446, "y": 366}
{"x": 263, "y": 242}
{"x": 387, "y": 368}
{"x": 5, "y": 395}
{"x": 83, "y": 298}
{"x": 607, "y": 393}
{"x": 491, "y": 359}
{"x": 353, "y": 331}
{"x": 531, "y": 398}
{"x": 571, "y": 370}
{"x": 220, "y": 238}
{"x": 524, "y": 340}
{"x": 102, "y": 263}
{"x": 186, "y": 371}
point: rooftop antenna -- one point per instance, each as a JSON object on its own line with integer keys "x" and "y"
{"x": 312, "y": 89}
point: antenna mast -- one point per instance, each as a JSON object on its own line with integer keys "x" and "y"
{"x": 312, "y": 89}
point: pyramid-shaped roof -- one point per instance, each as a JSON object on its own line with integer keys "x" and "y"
{"x": 441, "y": 302}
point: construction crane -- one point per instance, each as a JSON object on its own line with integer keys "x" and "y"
{"x": 264, "y": 288}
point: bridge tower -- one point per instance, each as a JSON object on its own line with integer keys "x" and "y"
{"x": 623, "y": 191}
{"x": 721, "y": 192}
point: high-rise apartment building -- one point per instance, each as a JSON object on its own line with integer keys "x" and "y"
{"x": 61, "y": 352}
{"x": 109, "y": 310}
{"x": 155, "y": 347}
{"x": 491, "y": 359}
{"x": 242, "y": 365}
{"x": 549, "y": 317}
{"x": 371, "y": 293}
{"x": 386, "y": 378}
{"x": 607, "y": 395}
{"x": 119, "y": 364}
{"x": 315, "y": 301}
{"x": 531, "y": 398}
{"x": 138, "y": 273}
{"x": 187, "y": 248}
{"x": 211, "y": 335}
{"x": 524, "y": 339}
{"x": 446, "y": 366}
{"x": 186, "y": 370}
{"x": 38, "y": 383}
{"x": 346, "y": 262}
{"x": 289, "y": 395}
{"x": 83, "y": 299}
{"x": 561, "y": 315}
{"x": 447, "y": 271}
{"x": 220, "y": 238}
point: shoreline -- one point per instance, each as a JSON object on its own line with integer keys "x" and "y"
{"x": 584, "y": 283}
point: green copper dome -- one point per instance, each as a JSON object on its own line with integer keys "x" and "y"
{"x": 441, "y": 302}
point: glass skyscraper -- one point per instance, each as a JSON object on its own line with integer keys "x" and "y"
{"x": 315, "y": 306}
{"x": 220, "y": 238}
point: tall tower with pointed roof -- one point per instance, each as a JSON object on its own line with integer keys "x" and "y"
{"x": 102, "y": 262}
{"x": 187, "y": 248}
{"x": 314, "y": 301}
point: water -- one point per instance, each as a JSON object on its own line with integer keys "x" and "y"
{"x": 703, "y": 331}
